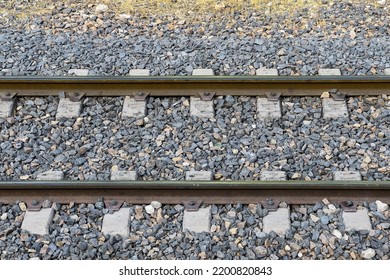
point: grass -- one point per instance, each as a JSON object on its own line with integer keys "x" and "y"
{"x": 201, "y": 7}
{"x": 181, "y": 8}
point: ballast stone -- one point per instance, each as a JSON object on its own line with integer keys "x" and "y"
{"x": 68, "y": 108}
{"x": 51, "y": 176}
{"x": 7, "y": 108}
{"x": 198, "y": 175}
{"x": 117, "y": 223}
{"x": 347, "y": 176}
{"x": 120, "y": 175}
{"x": 387, "y": 71}
{"x": 277, "y": 221}
{"x": 38, "y": 222}
{"x": 358, "y": 220}
{"x": 273, "y": 176}
{"x": 197, "y": 221}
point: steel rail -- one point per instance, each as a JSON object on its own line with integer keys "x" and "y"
{"x": 193, "y": 85}
{"x": 173, "y": 192}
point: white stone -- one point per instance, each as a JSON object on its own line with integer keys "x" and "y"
{"x": 277, "y": 221}
{"x": 267, "y": 72}
{"x": 133, "y": 108}
{"x": 382, "y": 207}
{"x": 334, "y": 109}
{"x": 198, "y": 175}
{"x": 7, "y": 108}
{"x": 139, "y": 72}
{"x": 51, "y": 176}
{"x": 337, "y": 233}
{"x": 38, "y": 222}
{"x": 4, "y": 216}
{"x": 382, "y": 2}
{"x": 124, "y": 16}
{"x": 314, "y": 218}
{"x": 328, "y": 72}
{"x": 197, "y": 221}
{"x": 149, "y": 209}
{"x": 117, "y": 223}
{"x": 156, "y": 204}
{"x": 347, "y": 176}
{"x": 273, "y": 176}
{"x": 368, "y": 254}
{"x": 332, "y": 209}
{"x": 79, "y": 72}
{"x": 101, "y": 8}
{"x": 267, "y": 109}
{"x": 202, "y": 72}
{"x": 22, "y": 206}
{"x": 122, "y": 175}
{"x": 387, "y": 71}
{"x": 358, "y": 220}
{"x": 68, "y": 109}
{"x": 201, "y": 108}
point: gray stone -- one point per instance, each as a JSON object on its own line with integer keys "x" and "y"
{"x": 324, "y": 220}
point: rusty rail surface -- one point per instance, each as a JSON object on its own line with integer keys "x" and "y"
{"x": 173, "y": 192}
{"x": 193, "y": 85}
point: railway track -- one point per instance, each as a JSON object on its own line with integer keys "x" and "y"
{"x": 271, "y": 191}
{"x": 205, "y": 88}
